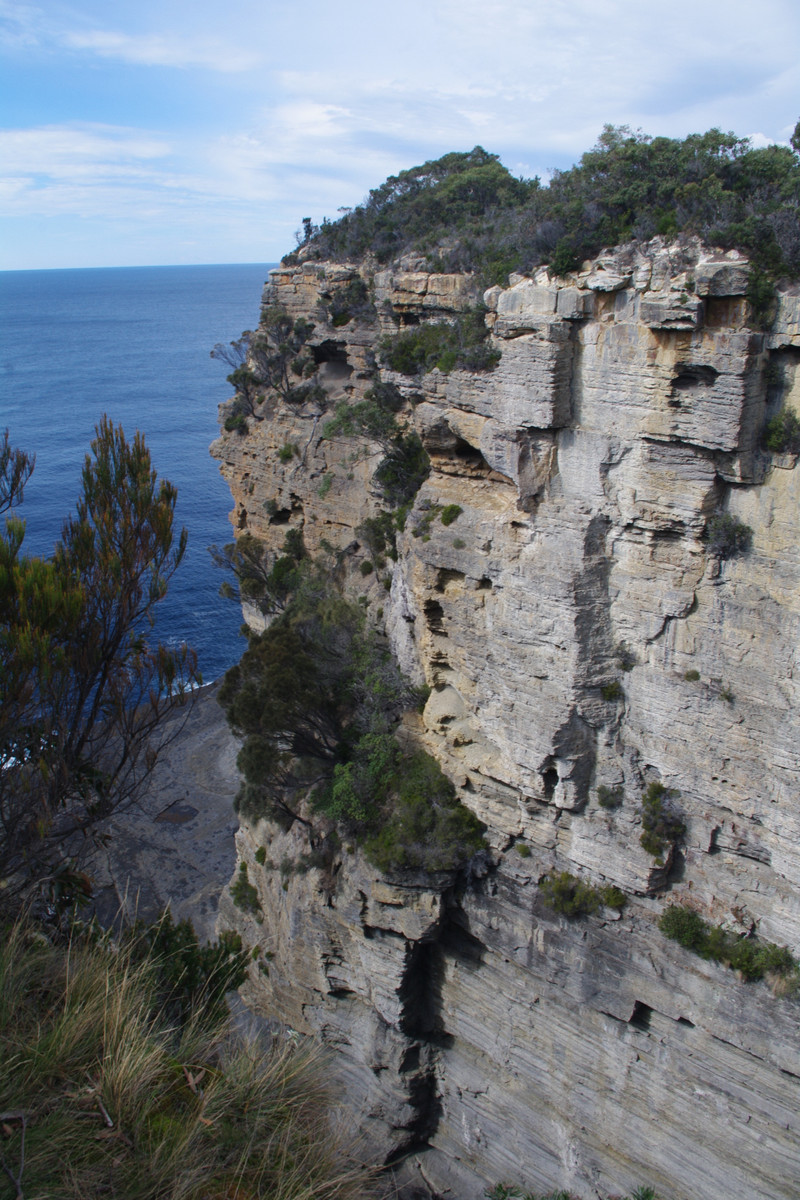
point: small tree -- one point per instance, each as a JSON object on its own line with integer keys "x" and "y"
{"x": 278, "y": 353}
{"x": 83, "y": 694}
{"x": 249, "y": 388}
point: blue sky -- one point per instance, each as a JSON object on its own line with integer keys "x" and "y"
{"x": 191, "y": 131}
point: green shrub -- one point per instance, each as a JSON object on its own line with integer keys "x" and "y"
{"x": 468, "y": 213}
{"x": 366, "y": 568}
{"x": 752, "y": 958}
{"x": 401, "y": 808}
{"x": 726, "y": 536}
{"x": 287, "y": 452}
{"x": 261, "y": 855}
{"x": 684, "y": 926}
{"x": 610, "y": 797}
{"x": 761, "y": 297}
{"x": 782, "y": 433}
{"x": 350, "y": 302}
{"x": 379, "y": 535}
{"x": 243, "y": 894}
{"x": 426, "y": 828}
{"x": 691, "y": 676}
{"x": 522, "y": 849}
{"x": 443, "y": 346}
{"x": 613, "y": 897}
{"x": 626, "y": 659}
{"x": 612, "y": 691}
{"x": 235, "y": 423}
{"x": 458, "y": 543}
{"x": 404, "y": 469}
{"x": 573, "y": 897}
{"x": 661, "y": 823}
{"x": 405, "y": 465}
{"x": 325, "y": 486}
{"x": 450, "y": 513}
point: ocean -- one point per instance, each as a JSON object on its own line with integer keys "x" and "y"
{"x": 133, "y": 342}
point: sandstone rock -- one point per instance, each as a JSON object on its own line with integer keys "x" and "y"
{"x": 560, "y": 622}
{"x": 721, "y": 279}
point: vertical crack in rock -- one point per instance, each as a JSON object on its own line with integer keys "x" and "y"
{"x": 421, "y": 1020}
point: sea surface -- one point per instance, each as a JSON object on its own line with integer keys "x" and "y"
{"x": 133, "y": 342}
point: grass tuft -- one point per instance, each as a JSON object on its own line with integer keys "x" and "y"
{"x": 114, "y": 1099}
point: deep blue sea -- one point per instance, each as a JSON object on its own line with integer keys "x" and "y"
{"x": 133, "y": 342}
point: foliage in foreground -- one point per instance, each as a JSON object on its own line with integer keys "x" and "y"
{"x": 751, "y": 957}
{"x": 83, "y": 691}
{"x": 469, "y": 213}
{"x": 102, "y": 1095}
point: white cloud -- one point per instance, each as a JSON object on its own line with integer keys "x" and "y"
{"x": 156, "y": 50}
{"x": 304, "y": 109}
{"x": 19, "y": 24}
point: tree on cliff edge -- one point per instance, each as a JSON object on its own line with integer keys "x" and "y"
{"x": 83, "y": 694}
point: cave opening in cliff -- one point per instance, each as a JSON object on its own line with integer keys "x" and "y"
{"x": 470, "y": 457}
{"x": 330, "y": 351}
{"x": 550, "y": 781}
{"x": 689, "y": 376}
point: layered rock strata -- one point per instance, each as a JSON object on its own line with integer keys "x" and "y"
{"x": 577, "y": 634}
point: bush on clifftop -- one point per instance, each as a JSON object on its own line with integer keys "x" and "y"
{"x": 468, "y": 213}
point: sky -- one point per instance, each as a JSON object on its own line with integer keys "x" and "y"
{"x": 146, "y": 132}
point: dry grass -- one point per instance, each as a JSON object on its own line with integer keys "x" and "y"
{"x": 100, "y": 1097}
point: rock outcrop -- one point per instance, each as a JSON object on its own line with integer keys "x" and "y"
{"x": 577, "y": 634}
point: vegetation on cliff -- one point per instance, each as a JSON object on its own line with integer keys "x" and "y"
{"x": 470, "y": 214}
{"x": 110, "y": 1087}
{"x": 318, "y": 697}
{"x": 750, "y": 956}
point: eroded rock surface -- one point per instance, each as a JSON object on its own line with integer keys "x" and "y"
{"x": 576, "y": 633}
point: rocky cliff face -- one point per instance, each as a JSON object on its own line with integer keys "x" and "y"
{"x": 577, "y": 634}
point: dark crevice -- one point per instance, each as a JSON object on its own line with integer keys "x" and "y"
{"x": 418, "y": 990}
{"x": 410, "y": 1060}
{"x": 550, "y": 780}
{"x": 640, "y": 1017}
{"x": 676, "y": 867}
{"x": 420, "y": 995}
{"x": 690, "y": 377}
{"x": 434, "y": 615}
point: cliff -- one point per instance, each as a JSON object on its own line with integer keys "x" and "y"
{"x": 587, "y": 645}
